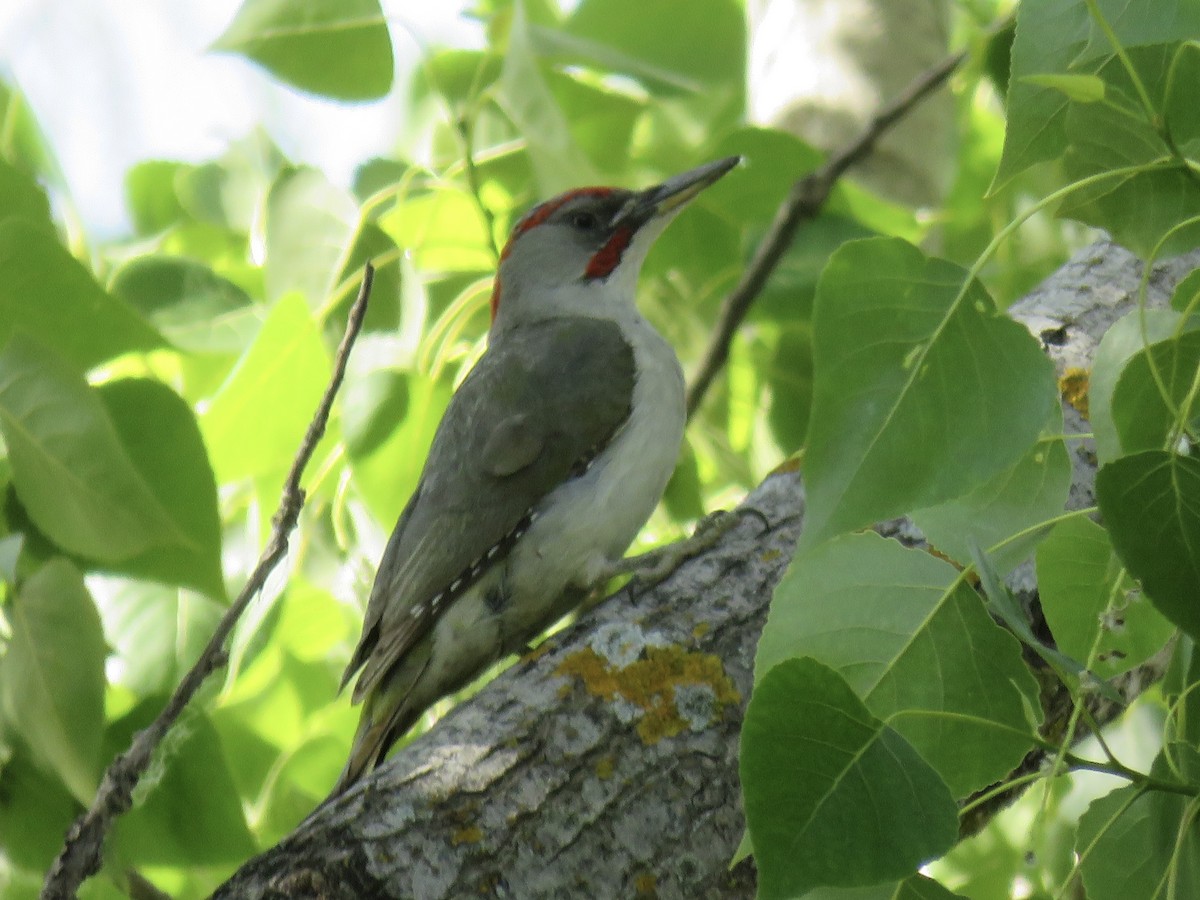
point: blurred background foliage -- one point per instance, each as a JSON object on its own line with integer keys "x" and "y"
{"x": 178, "y": 365}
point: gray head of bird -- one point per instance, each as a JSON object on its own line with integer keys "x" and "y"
{"x": 581, "y": 252}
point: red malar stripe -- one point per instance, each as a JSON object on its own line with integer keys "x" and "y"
{"x": 608, "y": 257}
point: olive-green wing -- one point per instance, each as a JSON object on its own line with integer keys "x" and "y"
{"x": 537, "y": 404}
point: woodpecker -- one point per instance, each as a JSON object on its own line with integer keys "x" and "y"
{"x": 550, "y": 457}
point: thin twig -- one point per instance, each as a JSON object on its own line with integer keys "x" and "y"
{"x": 81, "y": 854}
{"x": 804, "y": 203}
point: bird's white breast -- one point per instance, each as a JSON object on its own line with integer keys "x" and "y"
{"x": 589, "y": 522}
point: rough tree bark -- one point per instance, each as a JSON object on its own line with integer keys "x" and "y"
{"x": 606, "y": 764}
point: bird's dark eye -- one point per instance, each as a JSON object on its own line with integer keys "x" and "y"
{"x": 584, "y": 221}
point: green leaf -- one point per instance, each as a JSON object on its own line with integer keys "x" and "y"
{"x": 790, "y": 379}
{"x": 228, "y": 192}
{"x": 21, "y": 197}
{"x": 10, "y": 554}
{"x": 52, "y": 675}
{"x": 45, "y": 292}
{"x": 915, "y": 887}
{"x": 195, "y": 309}
{"x": 302, "y": 782}
{"x": 1186, "y": 297}
{"x": 1015, "y": 501}
{"x": 374, "y": 402}
{"x": 385, "y": 312}
{"x": 35, "y": 813}
{"x": 1151, "y": 504}
{"x": 1080, "y": 88}
{"x": 922, "y": 390}
{"x": 442, "y": 229}
{"x": 160, "y": 434}
{"x": 70, "y": 469}
{"x": 1170, "y": 23}
{"x": 191, "y": 814}
{"x": 455, "y": 76}
{"x": 683, "y": 498}
{"x": 1143, "y": 419}
{"x": 1146, "y": 207}
{"x": 337, "y": 48}
{"x": 151, "y": 196}
{"x": 1132, "y": 843}
{"x": 650, "y": 42}
{"x": 1002, "y": 603}
{"x": 1120, "y": 343}
{"x": 1089, "y": 603}
{"x": 1050, "y": 34}
{"x": 558, "y": 162}
{"x": 156, "y": 632}
{"x": 916, "y": 645}
{"x": 310, "y": 224}
{"x": 22, "y": 142}
{"x": 833, "y": 796}
{"x": 256, "y": 421}
{"x": 386, "y": 472}
{"x": 751, "y": 195}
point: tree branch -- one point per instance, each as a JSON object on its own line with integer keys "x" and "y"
{"x": 804, "y": 203}
{"x": 81, "y": 854}
{"x": 605, "y": 764}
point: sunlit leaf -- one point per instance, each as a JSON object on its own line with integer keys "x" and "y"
{"x": 52, "y": 675}
{"x": 558, "y": 163}
{"x": 70, "y": 468}
{"x": 190, "y": 815}
{"x": 21, "y": 197}
{"x": 169, "y": 454}
{"x": 156, "y": 632}
{"x": 646, "y": 41}
{"x": 256, "y": 421}
{"x": 47, "y": 294}
{"x": 338, "y": 48}
{"x": 310, "y": 224}
{"x": 194, "y": 308}
{"x": 386, "y": 472}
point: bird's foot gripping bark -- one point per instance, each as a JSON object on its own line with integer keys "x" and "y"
{"x": 651, "y": 568}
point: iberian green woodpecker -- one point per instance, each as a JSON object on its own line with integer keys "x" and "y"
{"x": 549, "y": 459}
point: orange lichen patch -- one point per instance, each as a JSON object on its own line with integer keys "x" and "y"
{"x": 605, "y": 768}
{"x": 1073, "y": 385}
{"x": 650, "y": 683}
{"x": 646, "y": 885}
{"x": 470, "y": 835}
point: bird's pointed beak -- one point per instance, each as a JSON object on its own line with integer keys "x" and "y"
{"x": 665, "y": 199}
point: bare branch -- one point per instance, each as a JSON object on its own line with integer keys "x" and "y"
{"x": 81, "y": 854}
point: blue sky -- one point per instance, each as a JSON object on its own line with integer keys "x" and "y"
{"x": 113, "y": 82}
